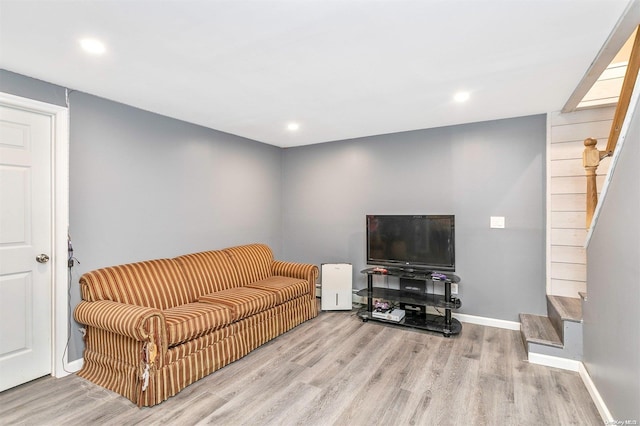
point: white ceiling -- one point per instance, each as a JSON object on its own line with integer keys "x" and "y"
{"x": 342, "y": 69}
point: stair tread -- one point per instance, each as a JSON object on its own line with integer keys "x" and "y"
{"x": 538, "y": 329}
{"x": 568, "y": 308}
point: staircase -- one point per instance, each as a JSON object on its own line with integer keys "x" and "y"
{"x": 559, "y": 334}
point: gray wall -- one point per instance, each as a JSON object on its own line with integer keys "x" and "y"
{"x": 144, "y": 186}
{"x": 611, "y": 312}
{"x": 31, "y": 88}
{"x": 474, "y": 171}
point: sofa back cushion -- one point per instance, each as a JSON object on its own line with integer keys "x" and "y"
{"x": 208, "y": 271}
{"x": 156, "y": 284}
{"x": 252, "y": 262}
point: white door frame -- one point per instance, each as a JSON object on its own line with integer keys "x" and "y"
{"x": 59, "y": 226}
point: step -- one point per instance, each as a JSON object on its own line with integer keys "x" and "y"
{"x": 559, "y": 334}
{"x": 562, "y": 310}
{"x": 567, "y": 308}
{"x": 539, "y": 330}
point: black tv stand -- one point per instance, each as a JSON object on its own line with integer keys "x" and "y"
{"x": 418, "y": 318}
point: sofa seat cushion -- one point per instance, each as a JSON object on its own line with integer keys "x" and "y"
{"x": 284, "y": 288}
{"x": 242, "y": 301}
{"x": 187, "y": 322}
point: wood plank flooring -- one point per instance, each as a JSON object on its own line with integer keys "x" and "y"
{"x": 337, "y": 370}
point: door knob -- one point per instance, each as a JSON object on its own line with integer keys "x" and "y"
{"x": 42, "y": 258}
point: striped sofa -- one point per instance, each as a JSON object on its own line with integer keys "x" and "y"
{"x": 154, "y": 327}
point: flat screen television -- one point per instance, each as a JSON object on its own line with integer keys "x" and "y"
{"x": 419, "y": 242}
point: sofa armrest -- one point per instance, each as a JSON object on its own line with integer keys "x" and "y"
{"x": 303, "y": 271}
{"x": 137, "y": 322}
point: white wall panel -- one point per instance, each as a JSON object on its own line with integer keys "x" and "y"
{"x": 567, "y": 189}
{"x": 568, "y": 202}
{"x": 569, "y": 271}
{"x": 568, "y": 237}
{"x": 567, "y": 288}
{"x": 569, "y": 254}
{"x": 572, "y": 184}
{"x": 567, "y": 150}
{"x": 572, "y": 167}
{"x": 566, "y": 133}
{"x": 583, "y": 116}
{"x": 572, "y": 220}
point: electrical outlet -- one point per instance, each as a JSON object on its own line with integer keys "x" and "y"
{"x": 454, "y": 288}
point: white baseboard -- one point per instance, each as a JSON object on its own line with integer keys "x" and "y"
{"x": 70, "y": 368}
{"x": 595, "y": 395}
{"x": 554, "y": 361}
{"x": 489, "y": 322}
{"x": 75, "y": 366}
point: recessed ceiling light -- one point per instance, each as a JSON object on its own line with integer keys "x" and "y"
{"x": 292, "y": 127}
{"x": 461, "y": 96}
{"x": 93, "y": 46}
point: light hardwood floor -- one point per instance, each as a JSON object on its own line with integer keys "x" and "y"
{"x": 337, "y": 370}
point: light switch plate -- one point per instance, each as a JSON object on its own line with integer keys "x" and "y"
{"x": 497, "y": 221}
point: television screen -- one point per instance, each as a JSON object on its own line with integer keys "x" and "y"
{"x": 425, "y": 242}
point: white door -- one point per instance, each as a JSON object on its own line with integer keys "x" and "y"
{"x": 25, "y": 243}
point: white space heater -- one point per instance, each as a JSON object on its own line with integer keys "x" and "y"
{"x": 336, "y": 286}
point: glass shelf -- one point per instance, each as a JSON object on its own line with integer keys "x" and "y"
{"x": 415, "y": 275}
{"x": 427, "y": 322}
{"x": 420, "y": 299}
{"x": 411, "y": 297}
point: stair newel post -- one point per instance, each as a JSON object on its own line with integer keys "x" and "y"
{"x": 590, "y": 162}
